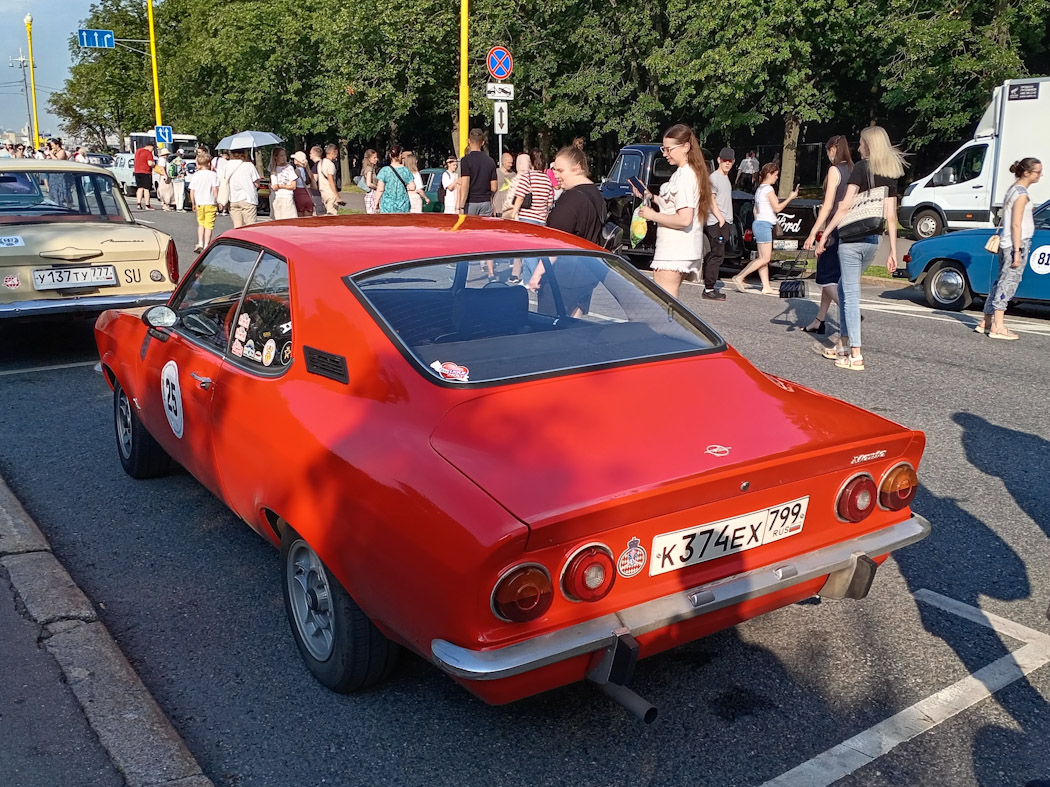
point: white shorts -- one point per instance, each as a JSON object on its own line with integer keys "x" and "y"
{"x": 679, "y": 266}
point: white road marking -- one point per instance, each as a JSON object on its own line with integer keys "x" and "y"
{"x": 866, "y": 747}
{"x": 32, "y": 369}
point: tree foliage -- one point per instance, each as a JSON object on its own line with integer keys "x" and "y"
{"x": 378, "y": 71}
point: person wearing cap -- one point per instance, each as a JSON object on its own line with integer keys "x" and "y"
{"x": 719, "y": 221}
{"x": 304, "y": 181}
{"x": 165, "y": 189}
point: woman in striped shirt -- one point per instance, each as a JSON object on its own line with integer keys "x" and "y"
{"x": 533, "y": 187}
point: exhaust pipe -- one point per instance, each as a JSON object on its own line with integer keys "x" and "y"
{"x": 641, "y": 708}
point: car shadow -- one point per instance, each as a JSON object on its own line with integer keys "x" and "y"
{"x": 966, "y": 560}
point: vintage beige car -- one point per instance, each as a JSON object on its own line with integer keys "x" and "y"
{"x": 68, "y": 243}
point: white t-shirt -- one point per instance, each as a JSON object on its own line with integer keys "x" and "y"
{"x": 242, "y": 176}
{"x": 325, "y": 167}
{"x": 763, "y": 210}
{"x": 218, "y": 166}
{"x": 1027, "y": 219}
{"x": 749, "y": 166}
{"x": 201, "y": 184}
{"x": 447, "y": 179}
{"x": 284, "y": 175}
{"x": 681, "y": 191}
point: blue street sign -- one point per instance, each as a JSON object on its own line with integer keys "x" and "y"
{"x": 163, "y": 134}
{"x": 97, "y": 39}
{"x": 499, "y": 62}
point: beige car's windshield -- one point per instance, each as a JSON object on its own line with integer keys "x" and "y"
{"x": 59, "y": 196}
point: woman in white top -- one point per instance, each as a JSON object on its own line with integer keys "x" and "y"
{"x": 450, "y": 182}
{"x": 680, "y": 211}
{"x": 767, "y": 206}
{"x": 416, "y": 198}
{"x": 1018, "y": 227}
{"x": 369, "y": 165}
{"x": 282, "y": 185}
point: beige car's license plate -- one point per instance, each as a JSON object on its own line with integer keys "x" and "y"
{"x": 683, "y": 548}
{"x": 69, "y": 278}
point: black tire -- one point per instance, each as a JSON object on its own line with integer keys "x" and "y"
{"x": 348, "y": 653}
{"x": 140, "y": 455}
{"x": 947, "y": 287}
{"x": 927, "y": 224}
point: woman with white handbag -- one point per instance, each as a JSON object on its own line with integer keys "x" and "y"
{"x": 1018, "y": 227}
{"x": 868, "y": 209}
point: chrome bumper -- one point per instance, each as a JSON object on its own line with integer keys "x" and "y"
{"x": 84, "y": 303}
{"x": 680, "y": 606}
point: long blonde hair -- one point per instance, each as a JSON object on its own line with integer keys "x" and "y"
{"x": 409, "y": 160}
{"x": 682, "y": 134}
{"x": 884, "y": 157}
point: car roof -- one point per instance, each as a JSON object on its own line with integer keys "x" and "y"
{"x": 48, "y": 165}
{"x": 351, "y": 244}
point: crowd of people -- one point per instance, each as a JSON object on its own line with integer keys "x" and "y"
{"x": 52, "y": 149}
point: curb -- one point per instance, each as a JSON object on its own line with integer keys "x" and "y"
{"x": 137, "y": 736}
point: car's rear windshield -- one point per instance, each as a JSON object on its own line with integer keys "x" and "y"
{"x": 471, "y": 321}
{"x": 56, "y": 196}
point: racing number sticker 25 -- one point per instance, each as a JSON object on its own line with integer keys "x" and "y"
{"x": 171, "y": 396}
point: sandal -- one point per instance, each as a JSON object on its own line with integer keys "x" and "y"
{"x": 852, "y": 362}
{"x": 980, "y": 328}
{"x": 739, "y": 284}
{"x": 1008, "y": 336}
{"x": 831, "y": 353}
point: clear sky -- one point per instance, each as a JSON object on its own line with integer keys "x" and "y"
{"x": 53, "y": 24}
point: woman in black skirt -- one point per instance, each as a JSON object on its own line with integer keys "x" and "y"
{"x": 828, "y": 262}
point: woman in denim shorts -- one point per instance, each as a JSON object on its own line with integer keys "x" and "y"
{"x": 767, "y": 206}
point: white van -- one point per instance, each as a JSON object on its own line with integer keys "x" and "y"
{"x": 966, "y": 191}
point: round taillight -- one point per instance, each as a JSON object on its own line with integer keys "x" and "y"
{"x": 906, "y": 258}
{"x": 522, "y": 594}
{"x": 898, "y": 488}
{"x": 857, "y": 499}
{"x": 590, "y": 574}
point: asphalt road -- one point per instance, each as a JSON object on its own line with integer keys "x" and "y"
{"x": 193, "y": 597}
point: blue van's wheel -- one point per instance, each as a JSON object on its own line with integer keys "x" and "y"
{"x": 946, "y": 287}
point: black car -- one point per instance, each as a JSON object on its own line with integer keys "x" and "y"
{"x": 99, "y": 159}
{"x": 646, "y": 163}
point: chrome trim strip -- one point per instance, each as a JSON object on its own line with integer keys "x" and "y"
{"x": 83, "y": 303}
{"x": 677, "y": 607}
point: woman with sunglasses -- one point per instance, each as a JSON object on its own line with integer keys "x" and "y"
{"x": 680, "y": 210}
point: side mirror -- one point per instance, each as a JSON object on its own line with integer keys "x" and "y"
{"x": 943, "y": 177}
{"x": 160, "y": 317}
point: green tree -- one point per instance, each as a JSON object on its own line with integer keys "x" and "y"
{"x": 109, "y": 92}
{"x": 947, "y": 56}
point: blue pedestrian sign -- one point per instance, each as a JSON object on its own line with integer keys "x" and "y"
{"x": 499, "y": 62}
{"x": 163, "y": 134}
{"x": 97, "y": 39}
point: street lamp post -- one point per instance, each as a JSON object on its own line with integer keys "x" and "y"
{"x": 32, "y": 81}
{"x": 23, "y": 64}
{"x": 464, "y": 86}
{"x": 153, "y": 59}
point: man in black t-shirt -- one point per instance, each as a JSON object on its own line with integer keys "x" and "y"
{"x": 580, "y": 209}
{"x": 477, "y": 177}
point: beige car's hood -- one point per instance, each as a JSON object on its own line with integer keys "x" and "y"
{"x": 60, "y": 242}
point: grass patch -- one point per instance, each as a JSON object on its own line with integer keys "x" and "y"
{"x": 349, "y": 211}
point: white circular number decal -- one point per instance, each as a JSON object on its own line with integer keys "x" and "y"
{"x": 1039, "y": 259}
{"x": 171, "y": 396}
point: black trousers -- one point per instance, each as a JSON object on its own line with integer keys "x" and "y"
{"x": 713, "y": 258}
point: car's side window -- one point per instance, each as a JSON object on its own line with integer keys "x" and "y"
{"x": 207, "y": 302}
{"x": 262, "y": 332}
{"x": 632, "y": 168}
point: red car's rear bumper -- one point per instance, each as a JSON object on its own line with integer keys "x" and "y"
{"x": 544, "y": 662}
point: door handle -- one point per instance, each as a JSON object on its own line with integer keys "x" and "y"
{"x": 203, "y": 382}
{"x": 978, "y": 187}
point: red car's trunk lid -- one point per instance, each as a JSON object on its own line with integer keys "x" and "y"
{"x": 579, "y": 454}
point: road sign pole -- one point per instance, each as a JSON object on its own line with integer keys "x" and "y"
{"x": 464, "y": 86}
{"x": 153, "y": 58}
{"x": 32, "y": 81}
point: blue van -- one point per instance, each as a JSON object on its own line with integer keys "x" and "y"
{"x": 954, "y": 268}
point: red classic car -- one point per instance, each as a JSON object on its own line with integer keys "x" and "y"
{"x": 459, "y": 466}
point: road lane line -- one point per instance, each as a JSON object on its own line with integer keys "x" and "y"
{"x": 30, "y": 370}
{"x": 864, "y": 748}
{"x": 997, "y": 624}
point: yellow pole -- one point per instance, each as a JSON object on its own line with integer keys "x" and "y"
{"x": 153, "y": 58}
{"x": 464, "y": 87}
{"x": 32, "y": 81}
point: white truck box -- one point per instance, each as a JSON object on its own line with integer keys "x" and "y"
{"x": 966, "y": 190}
